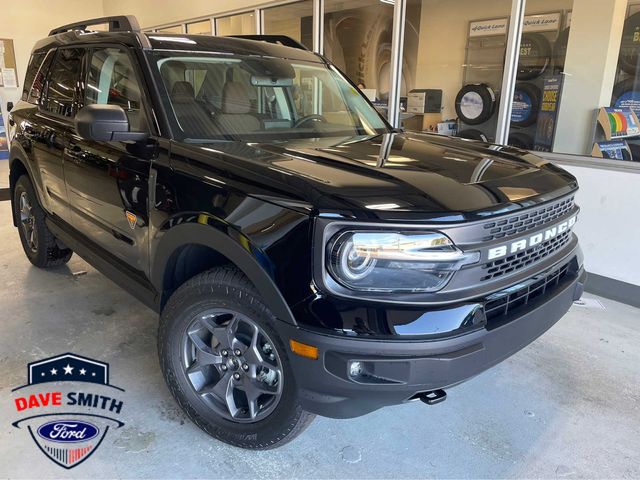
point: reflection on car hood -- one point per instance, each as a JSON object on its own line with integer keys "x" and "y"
{"x": 398, "y": 176}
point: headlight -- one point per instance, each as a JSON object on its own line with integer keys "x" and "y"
{"x": 394, "y": 261}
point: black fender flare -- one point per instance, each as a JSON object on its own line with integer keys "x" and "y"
{"x": 18, "y": 154}
{"x": 239, "y": 252}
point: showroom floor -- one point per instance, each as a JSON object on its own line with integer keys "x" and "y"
{"x": 566, "y": 407}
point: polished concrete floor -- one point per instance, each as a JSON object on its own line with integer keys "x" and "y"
{"x": 568, "y": 406}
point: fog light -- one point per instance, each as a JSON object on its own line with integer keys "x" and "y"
{"x": 355, "y": 369}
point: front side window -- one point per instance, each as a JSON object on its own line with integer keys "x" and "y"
{"x": 63, "y": 82}
{"x": 262, "y": 99}
{"x": 112, "y": 80}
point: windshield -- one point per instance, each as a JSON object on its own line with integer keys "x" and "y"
{"x": 213, "y": 98}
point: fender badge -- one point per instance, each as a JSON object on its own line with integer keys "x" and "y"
{"x": 131, "y": 218}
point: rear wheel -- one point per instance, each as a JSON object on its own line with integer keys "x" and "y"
{"x": 225, "y": 364}
{"x": 39, "y": 244}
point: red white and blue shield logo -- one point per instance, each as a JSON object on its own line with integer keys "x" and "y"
{"x": 68, "y": 407}
{"x": 68, "y": 440}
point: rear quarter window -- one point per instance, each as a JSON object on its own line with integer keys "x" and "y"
{"x": 35, "y": 77}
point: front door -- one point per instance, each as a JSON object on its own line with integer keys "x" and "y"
{"x": 107, "y": 182}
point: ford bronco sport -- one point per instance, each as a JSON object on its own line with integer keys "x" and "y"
{"x": 304, "y": 257}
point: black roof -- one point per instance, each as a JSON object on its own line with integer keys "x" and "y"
{"x": 179, "y": 42}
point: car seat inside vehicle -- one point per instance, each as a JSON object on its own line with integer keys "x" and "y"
{"x": 236, "y": 116}
{"x": 192, "y": 117}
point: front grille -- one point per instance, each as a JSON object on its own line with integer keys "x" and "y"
{"x": 503, "y": 303}
{"x": 524, "y": 222}
{"x": 506, "y": 265}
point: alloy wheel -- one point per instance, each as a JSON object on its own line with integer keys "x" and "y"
{"x": 232, "y": 364}
{"x": 27, "y": 220}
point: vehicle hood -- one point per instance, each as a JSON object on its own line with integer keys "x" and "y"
{"x": 396, "y": 176}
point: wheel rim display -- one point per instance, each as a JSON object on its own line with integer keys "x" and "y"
{"x": 27, "y": 220}
{"x": 233, "y": 365}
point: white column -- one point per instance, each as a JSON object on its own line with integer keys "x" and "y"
{"x": 510, "y": 70}
{"x": 397, "y": 50}
{"x": 318, "y": 26}
{"x": 590, "y": 69}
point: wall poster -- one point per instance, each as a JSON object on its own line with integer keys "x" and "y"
{"x": 8, "y": 73}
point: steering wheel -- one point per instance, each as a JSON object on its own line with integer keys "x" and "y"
{"x": 314, "y": 117}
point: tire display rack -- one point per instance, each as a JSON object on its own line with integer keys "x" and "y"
{"x": 542, "y": 53}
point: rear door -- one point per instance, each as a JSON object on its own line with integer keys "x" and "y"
{"x": 107, "y": 182}
{"x": 52, "y": 123}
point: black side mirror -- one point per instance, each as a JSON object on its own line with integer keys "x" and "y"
{"x": 9, "y": 106}
{"x": 105, "y": 123}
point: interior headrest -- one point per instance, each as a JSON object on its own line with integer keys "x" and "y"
{"x": 235, "y": 98}
{"x": 182, "y": 92}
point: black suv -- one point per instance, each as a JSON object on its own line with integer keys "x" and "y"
{"x": 304, "y": 257}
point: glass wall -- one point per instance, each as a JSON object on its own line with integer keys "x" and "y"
{"x": 453, "y": 64}
{"x": 174, "y": 29}
{"x": 199, "y": 28}
{"x": 540, "y": 74}
{"x": 294, "y": 20}
{"x": 357, "y": 38}
{"x": 241, "y": 24}
{"x": 577, "y": 86}
{"x": 575, "y": 93}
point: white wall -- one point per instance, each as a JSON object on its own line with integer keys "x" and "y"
{"x": 27, "y": 21}
{"x": 157, "y": 12}
{"x": 609, "y": 222}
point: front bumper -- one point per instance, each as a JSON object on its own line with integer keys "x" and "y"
{"x": 399, "y": 370}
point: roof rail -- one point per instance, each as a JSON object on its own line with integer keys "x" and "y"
{"x": 119, "y": 23}
{"x": 277, "y": 39}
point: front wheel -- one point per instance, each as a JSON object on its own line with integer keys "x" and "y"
{"x": 225, "y": 364}
{"x": 39, "y": 244}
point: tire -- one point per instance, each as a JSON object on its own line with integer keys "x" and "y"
{"x": 526, "y": 105}
{"x": 626, "y": 94}
{"x": 475, "y": 103}
{"x": 630, "y": 45}
{"x": 560, "y": 50}
{"x": 225, "y": 294}
{"x": 40, "y": 245}
{"x": 521, "y": 141}
{"x": 535, "y": 56}
{"x": 473, "y": 134}
{"x": 635, "y": 152}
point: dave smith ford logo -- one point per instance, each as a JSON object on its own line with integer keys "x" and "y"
{"x": 532, "y": 241}
{"x": 67, "y": 423}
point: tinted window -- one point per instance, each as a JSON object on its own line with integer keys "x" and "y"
{"x": 35, "y": 86}
{"x": 32, "y": 69}
{"x": 63, "y": 81}
{"x": 112, "y": 80}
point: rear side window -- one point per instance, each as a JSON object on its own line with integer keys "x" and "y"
{"x": 63, "y": 82}
{"x": 32, "y": 70}
{"x": 34, "y": 86}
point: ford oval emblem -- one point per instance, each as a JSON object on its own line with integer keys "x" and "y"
{"x": 68, "y": 431}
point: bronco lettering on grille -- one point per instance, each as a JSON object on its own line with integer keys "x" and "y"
{"x": 532, "y": 241}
